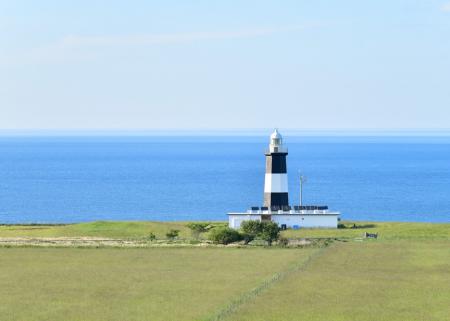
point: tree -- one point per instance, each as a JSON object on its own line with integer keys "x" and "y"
{"x": 224, "y": 235}
{"x": 247, "y": 238}
{"x": 172, "y": 234}
{"x": 250, "y": 230}
{"x": 267, "y": 231}
{"x": 270, "y": 232}
{"x": 252, "y": 227}
{"x": 198, "y": 228}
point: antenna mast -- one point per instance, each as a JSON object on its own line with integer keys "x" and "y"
{"x": 302, "y": 180}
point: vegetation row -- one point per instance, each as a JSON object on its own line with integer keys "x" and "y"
{"x": 268, "y": 232}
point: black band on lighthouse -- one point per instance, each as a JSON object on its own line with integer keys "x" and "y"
{"x": 276, "y": 199}
{"x": 276, "y": 163}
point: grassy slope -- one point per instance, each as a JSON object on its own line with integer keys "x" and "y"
{"x": 383, "y": 281}
{"x": 386, "y": 230}
{"x": 99, "y": 229}
{"x": 132, "y": 284}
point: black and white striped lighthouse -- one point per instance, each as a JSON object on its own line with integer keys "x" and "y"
{"x": 276, "y": 182}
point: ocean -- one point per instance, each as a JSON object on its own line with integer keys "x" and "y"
{"x": 78, "y": 179}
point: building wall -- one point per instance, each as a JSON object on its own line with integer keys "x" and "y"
{"x": 234, "y": 221}
{"x": 302, "y": 221}
{"x": 309, "y": 221}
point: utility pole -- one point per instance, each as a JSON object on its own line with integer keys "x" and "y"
{"x": 302, "y": 180}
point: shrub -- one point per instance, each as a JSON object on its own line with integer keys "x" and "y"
{"x": 250, "y": 230}
{"x": 224, "y": 235}
{"x": 247, "y": 237}
{"x": 253, "y": 228}
{"x": 172, "y": 234}
{"x": 151, "y": 236}
{"x": 267, "y": 231}
{"x": 270, "y": 232}
{"x": 198, "y": 228}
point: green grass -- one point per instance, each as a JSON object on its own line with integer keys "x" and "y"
{"x": 365, "y": 281}
{"x": 403, "y": 275}
{"x": 385, "y": 230}
{"x": 108, "y": 229}
{"x": 131, "y": 284}
{"x": 112, "y": 229}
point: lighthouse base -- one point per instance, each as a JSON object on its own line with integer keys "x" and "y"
{"x": 290, "y": 219}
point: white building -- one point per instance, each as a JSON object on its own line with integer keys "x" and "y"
{"x": 294, "y": 218}
{"x": 276, "y": 201}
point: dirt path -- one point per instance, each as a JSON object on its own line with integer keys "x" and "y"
{"x": 69, "y": 241}
{"x": 88, "y": 241}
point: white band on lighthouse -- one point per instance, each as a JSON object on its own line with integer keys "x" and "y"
{"x": 275, "y": 183}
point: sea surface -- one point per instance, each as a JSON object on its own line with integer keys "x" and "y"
{"x": 78, "y": 179}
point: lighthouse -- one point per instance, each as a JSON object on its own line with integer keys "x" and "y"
{"x": 276, "y": 198}
{"x": 276, "y": 181}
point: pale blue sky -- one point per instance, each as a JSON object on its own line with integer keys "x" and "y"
{"x": 224, "y": 64}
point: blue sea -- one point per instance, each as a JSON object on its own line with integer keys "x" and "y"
{"x": 78, "y": 179}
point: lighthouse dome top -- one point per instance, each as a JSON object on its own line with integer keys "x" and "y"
{"x": 276, "y": 134}
{"x": 276, "y": 138}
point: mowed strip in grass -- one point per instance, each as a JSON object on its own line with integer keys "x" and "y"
{"x": 132, "y": 284}
{"x": 362, "y": 281}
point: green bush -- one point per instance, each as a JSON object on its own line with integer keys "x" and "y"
{"x": 270, "y": 232}
{"x": 246, "y": 237}
{"x": 172, "y": 234}
{"x": 254, "y": 228}
{"x": 267, "y": 231}
{"x": 250, "y": 230}
{"x": 197, "y": 228}
{"x": 224, "y": 235}
{"x": 151, "y": 236}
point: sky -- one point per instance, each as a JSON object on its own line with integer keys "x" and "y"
{"x": 230, "y": 64}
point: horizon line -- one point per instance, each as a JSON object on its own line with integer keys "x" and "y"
{"x": 402, "y": 132}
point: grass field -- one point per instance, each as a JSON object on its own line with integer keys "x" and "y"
{"x": 382, "y": 281}
{"x": 131, "y": 284}
{"x": 386, "y": 230}
{"x": 96, "y": 229}
{"x": 402, "y": 276}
